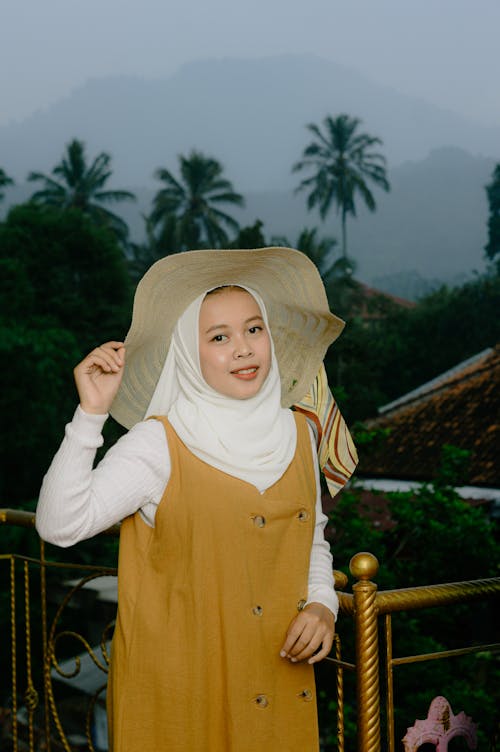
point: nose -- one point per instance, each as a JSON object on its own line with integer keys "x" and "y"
{"x": 242, "y": 349}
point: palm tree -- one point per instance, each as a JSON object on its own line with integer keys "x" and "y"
{"x": 4, "y": 182}
{"x": 77, "y": 185}
{"x": 319, "y": 250}
{"x": 336, "y": 273}
{"x": 186, "y": 209}
{"x": 143, "y": 255}
{"x": 342, "y": 161}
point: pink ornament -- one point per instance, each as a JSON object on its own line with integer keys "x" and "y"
{"x": 440, "y": 727}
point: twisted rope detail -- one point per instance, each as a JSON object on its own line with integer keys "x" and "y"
{"x": 367, "y": 660}
{"x": 340, "y": 695}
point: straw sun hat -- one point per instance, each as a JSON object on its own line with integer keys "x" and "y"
{"x": 302, "y": 325}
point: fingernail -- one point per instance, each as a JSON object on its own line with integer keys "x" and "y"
{"x": 283, "y": 654}
{"x": 293, "y": 660}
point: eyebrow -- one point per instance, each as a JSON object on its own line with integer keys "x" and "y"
{"x": 226, "y": 326}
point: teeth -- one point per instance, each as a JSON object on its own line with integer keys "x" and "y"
{"x": 246, "y": 370}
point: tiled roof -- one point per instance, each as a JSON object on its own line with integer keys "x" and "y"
{"x": 469, "y": 366}
{"x": 371, "y": 292}
{"x": 461, "y": 407}
{"x": 369, "y": 302}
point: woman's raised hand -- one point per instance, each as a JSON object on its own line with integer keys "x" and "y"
{"x": 98, "y": 377}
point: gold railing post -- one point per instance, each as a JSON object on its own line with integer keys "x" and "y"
{"x": 30, "y": 694}
{"x": 45, "y": 653}
{"x": 389, "y": 674}
{"x": 339, "y": 673}
{"x": 13, "y": 647}
{"x": 364, "y": 567}
{"x": 341, "y": 582}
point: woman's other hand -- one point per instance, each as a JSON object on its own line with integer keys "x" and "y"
{"x": 98, "y": 377}
{"x": 310, "y": 634}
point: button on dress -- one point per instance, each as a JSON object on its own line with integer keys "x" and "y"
{"x": 204, "y": 602}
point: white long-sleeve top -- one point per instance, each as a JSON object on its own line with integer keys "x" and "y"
{"x": 77, "y": 502}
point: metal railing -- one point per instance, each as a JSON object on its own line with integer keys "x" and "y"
{"x": 366, "y": 605}
{"x": 38, "y": 664}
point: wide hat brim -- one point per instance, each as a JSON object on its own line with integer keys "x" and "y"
{"x": 302, "y": 326}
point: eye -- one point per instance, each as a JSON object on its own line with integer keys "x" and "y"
{"x": 219, "y": 338}
{"x": 255, "y": 329}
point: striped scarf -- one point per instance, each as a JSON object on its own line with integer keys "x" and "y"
{"x": 336, "y": 451}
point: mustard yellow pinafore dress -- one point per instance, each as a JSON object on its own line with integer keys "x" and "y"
{"x": 204, "y": 602}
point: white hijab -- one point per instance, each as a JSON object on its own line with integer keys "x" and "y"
{"x": 252, "y": 439}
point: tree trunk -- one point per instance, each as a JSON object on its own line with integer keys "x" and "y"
{"x": 344, "y": 234}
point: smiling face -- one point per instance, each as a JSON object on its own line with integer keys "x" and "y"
{"x": 234, "y": 344}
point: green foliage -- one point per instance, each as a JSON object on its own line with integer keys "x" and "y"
{"x": 143, "y": 255}
{"x": 63, "y": 288}
{"x": 342, "y": 162}
{"x": 327, "y": 709}
{"x": 59, "y": 265}
{"x": 493, "y": 192}
{"x": 5, "y": 180}
{"x": 76, "y": 185}
{"x": 356, "y": 364}
{"x": 364, "y": 436}
{"x": 453, "y": 324}
{"x": 36, "y": 361}
{"x": 320, "y": 251}
{"x": 250, "y": 237}
{"x": 352, "y": 530}
{"x": 186, "y": 210}
{"x": 457, "y": 538}
{"x": 401, "y": 348}
{"x": 435, "y": 537}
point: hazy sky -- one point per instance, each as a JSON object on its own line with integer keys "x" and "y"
{"x": 444, "y": 51}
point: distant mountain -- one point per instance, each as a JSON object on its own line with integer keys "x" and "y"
{"x": 430, "y": 228}
{"x": 249, "y": 114}
{"x": 433, "y": 221}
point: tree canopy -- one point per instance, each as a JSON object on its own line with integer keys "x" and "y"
{"x": 402, "y": 348}
{"x": 186, "y": 210}
{"x": 342, "y": 162}
{"x": 493, "y": 193}
{"x": 64, "y": 288}
{"x": 5, "y": 180}
{"x": 75, "y": 184}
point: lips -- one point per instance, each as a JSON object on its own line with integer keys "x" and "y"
{"x": 246, "y": 374}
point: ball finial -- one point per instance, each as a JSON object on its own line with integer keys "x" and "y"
{"x": 364, "y": 566}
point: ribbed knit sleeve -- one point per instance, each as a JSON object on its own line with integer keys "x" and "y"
{"x": 321, "y": 581}
{"x": 77, "y": 501}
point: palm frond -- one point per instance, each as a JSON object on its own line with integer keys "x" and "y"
{"x": 228, "y": 198}
{"x": 5, "y": 180}
{"x": 166, "y": 177}
{"x": 224, "y": 218}
{"x": 81, "y": 187}
{"x": 193, "y": 198}
{"x": 40, "y": 176}
{"x": 106, "y": 218}
{"x": 115, "y": 196}
{"x": 341, "y": 160}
